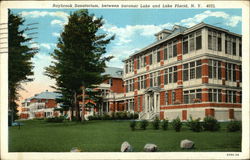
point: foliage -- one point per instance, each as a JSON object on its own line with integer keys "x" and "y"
{"x": 143, "y": 124}
{"x": 194, "y": 125}
{"x": 177, "y": 124}
{"x": 234, "y": 126}
{"x": 78, "y": 60}
{"x": 210, "y": 124}
{"x": 132, "y": 125}
{"x": 55, "y": 119}
{"x": 164, "y": 124}
{"x": 156, "y": 123}
{"x": 20, "y": 54}
{"x": 105, "y": 116}
{"x": 122, "y": 115}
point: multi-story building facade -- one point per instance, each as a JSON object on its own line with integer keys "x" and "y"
{"x": 112, "y": 90}
{"x": 194, "y": 71}
{"x": 40, "y": 105}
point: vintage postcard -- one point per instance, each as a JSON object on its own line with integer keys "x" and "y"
{"x": 95, "y": 79}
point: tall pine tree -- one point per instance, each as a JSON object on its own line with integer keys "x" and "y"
{"x": 20, "y": 65}
{"x": 79, "y": 59}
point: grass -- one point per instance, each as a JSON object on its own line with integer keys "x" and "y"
{"x": 107, "y": 136}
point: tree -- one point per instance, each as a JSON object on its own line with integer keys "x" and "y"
{"x": 20, "y": 65}
{"x": 79, "y": 57}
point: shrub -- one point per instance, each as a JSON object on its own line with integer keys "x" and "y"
{"x": 55, "y": 119}
{"x": 156, "y": 123}
{"x": 211, "y": 124}
{"x": 113, "y": 115}
{"x": 177, "y": 124}
{"x": 234, "y": 126}
{"x": 106, "y": 116}
{"x": 132, "y": 125}
{"x": 143, "y": 124}
{"x": 135, "y": 116}
{"x": 124, "y": 115}
{"x": 164, "y": 124}
{"x": 91, "y": 118}
{"x": 194, "y": 125}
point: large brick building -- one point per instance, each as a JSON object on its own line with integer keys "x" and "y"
{"x": 194, "y": 71}
{"x": 40, "y": 105}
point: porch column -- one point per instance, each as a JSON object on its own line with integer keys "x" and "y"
{"x": 155, "y": 102}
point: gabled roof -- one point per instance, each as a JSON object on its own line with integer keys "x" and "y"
{"x": 114, "y": 72}
{"x": 46, "y": 95}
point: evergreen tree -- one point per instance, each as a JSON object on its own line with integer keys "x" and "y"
{"x": 79, "y": 60}
{"x": 20, "y": 65}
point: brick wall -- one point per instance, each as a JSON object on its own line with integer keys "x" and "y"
{"x": 117, "y": 85}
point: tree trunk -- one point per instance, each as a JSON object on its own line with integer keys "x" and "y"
{"x": 83, "y": 103}
{"x": 76, "y": 104}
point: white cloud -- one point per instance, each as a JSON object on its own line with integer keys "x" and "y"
{"x": 55, "y": 34}
{"x": 38, "y": 14}
{"x": 58, "y": 22}
{"x": 233, "y": 21}
{"x": 59, "y": 14}
{"x": 124, "y": 34}
{"x": 229, "y": 20}
{"x": 47, "y": 46}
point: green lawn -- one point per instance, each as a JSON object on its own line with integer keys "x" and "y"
{"x": 107, "y": 136}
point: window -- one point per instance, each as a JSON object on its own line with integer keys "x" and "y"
{"x": 159, "y": 78}
{"x": 111, "y": 82}
{"x": 170, "y": 50}
{"x": 219, "y": 42}
{"x": 166, "y": 76}
{"x": 198, "y": 69}
{"x": 214, "y": 40}
{"x": 155, "y": 78}
{"x": 185, "y": 45}
{"x": 192, "y": 70}
{"x": 214, "y": 95}
{"x": 185, "y": 72}
{"x": 165, "y": 53}
{"x": 126, "y": 67}
{"x": 198, "y": 40}
{"x": 214, "y": 69}
{"x": 192, "y": 96}
{"x": 186, "y": 97}
{"x": 219, "y": 70}
{"x": 175, "y": 49}
{"x": 166, "y": 97}
{"x": 151, "y": 79}
{"x": 173, "y": 97}
{"x": 175, "y": 74}
{"x": 234, "y": 72}
{"x": 234, "y": 46}
{"x": 170, "y": 73}
{"x": 191, "y": 42}
{"x": 158, "y": 56}
{"x": 150, "y": 59}
{"x": 145, "y": 81}
{"x": 126, "y": 85}
{"x": 139, "y": 83}
{"x": 228, "y": 45}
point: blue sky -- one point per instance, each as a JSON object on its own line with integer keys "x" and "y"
{"x": 134, "y": 29}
